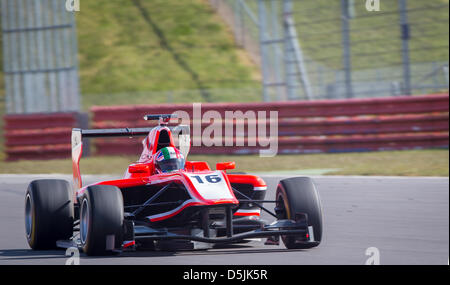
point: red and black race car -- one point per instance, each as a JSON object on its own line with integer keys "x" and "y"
{"x": 165, "y": 199}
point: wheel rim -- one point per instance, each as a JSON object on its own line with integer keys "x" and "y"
{"x": 28, "y": 215}
{"x": 84, "y": 221}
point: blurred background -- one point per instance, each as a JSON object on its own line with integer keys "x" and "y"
{"x": 121, "y": 52}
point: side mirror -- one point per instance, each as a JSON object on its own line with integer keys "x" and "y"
{"x": 138, "y": 168}
{"x": 225, "y": 165}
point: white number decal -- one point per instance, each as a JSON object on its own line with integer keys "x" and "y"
{"x": 209, "y": 178}
{"x": 211, "y": 186}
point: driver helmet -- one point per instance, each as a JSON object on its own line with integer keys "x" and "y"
{"x": 169, "y": 159}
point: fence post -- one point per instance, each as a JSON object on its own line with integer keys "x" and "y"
{"x": 262, "y": 20}
{"x": 294, "y": 56}
{"x": 445, "y": 70}
{"x": 237, "y": 22}
{"x": 6, "y": 56}
{"x": 277, "y": 56}
{"x": 346, "y": 48}
{"x": 289, "y": 66}
{"x": 74, "y": 63}
{"x": 404, "y": 25}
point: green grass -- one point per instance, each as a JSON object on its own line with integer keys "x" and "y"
{"x": 390, "y": 163}
{"x": 138, "y": 46}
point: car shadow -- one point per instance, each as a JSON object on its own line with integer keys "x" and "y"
{"x": 217, "y": 250}
{"x": 29, "y": 254}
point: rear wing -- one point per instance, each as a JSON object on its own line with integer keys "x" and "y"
{"x": 181, "y": 133}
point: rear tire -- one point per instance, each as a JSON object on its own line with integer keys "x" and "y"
{"x": 299, "y": 195}
{"x": 48, "y": 213}
{"x": 101, "y": 220}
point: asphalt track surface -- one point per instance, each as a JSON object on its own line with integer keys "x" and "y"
{"x": 406, "y": 219}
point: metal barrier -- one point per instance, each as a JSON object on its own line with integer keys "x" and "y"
{"x": 408, "y": 122}
{"x": 303, "y": 127}
{"x": 41, "y": 136}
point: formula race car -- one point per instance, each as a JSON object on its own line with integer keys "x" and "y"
{"x": 166, "y": 201}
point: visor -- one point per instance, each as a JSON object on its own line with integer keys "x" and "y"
{"x": 169, "y": 165}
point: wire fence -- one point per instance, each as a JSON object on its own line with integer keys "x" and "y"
{"x": 40, "y": 65}
{"x": 347, "y": 50}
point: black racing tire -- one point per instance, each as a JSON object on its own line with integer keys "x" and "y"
{"x": 299, "y": 195}
{"x": 48, "y": 213}
{"x": 101, "y": 220}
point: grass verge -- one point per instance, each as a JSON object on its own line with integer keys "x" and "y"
{"x": 390, "y": 163}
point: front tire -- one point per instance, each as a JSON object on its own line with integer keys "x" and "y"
{"x": 101, "y": 220}
{"x": 299, "y": 195}
{"x": 48, "y": 213}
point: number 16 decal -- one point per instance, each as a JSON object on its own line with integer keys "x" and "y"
{"x": 214, "y": 178}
